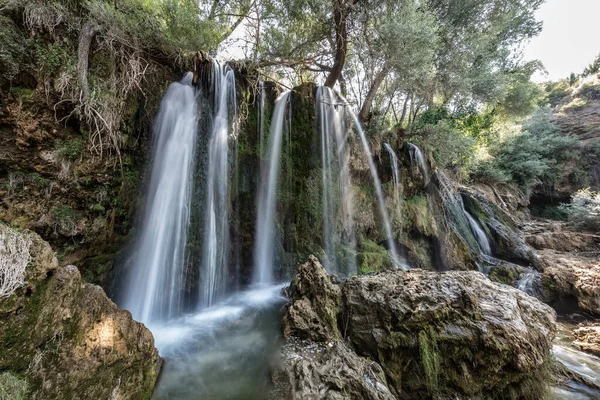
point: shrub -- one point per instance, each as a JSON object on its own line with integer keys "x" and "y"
{"x": 14, "y": 257}
{"x": 557, "y": 92}
{"x": 584, "y": 209}
{"x": 12, "y": 49}
{"x": 590, "y": 91}
{"x": 532, "y": 153}
{"x": 65, "y": 218}
{"x": 450, "y": 148}
{"x": 575, "y": 105}
{"x": 70, "y": 150}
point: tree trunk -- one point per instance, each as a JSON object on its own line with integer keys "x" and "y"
{"x": 340, "y": 15}
{"x": 87, "y": 33}
{"x": 404, "y": 107}
{"x": 363, "y": 115}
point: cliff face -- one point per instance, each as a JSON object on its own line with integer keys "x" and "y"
{"x": 67, "y": 339}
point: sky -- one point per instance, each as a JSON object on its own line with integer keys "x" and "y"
{"x": 570, "y": 39}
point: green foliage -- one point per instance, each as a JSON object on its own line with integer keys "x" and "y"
{"x": 590, "y": 91}
{"x": 12, "y": 49}
{"x": 575, "y": 105}
{"x": 584, "y": 209}
{"x": 535, "y": 152}
{"x": 65, "y": 218}
{"x": 50, "y": 57}
{"x": 69, "y": 150}
{"x": 451, "y": 148}
{"x": 39, "y": 181}
{"x": 593, "y": 68}
{"x": 21, "y": 92}
{"x": 12, "y": 387}
{"x": 557, "y": 91}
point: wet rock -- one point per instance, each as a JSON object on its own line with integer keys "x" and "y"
{"x": 315, "y": 304}
{"x": 452, "y": 333}
{"x": 70, "y": 340}
{"x": 587, "y": 338}
{"x": 433, "y": 335}
{"x": 570, "y": 274}
{"x": 332, "y": 371}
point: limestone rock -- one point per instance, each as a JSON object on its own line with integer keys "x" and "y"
{"x": 332, "y": 371}
{"x": 569, "y": 274}
{"x": 452, "y": 333}
{"x": 587, "y": 338}
{"x": 70, "y": 340}
{"x": 556, "y": 236}
{"x": 316, "y": 300}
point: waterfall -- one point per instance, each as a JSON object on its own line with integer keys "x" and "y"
{"x": 334, "y": 158}
{"x": 482, "y": 240}
{"x": 267, "y": 207}
{"x": 395, "y": 173}
{"x": 416, "y": 155}
{"x": 377, "y": 183}
{"x": 216, "y": 211}
{"x": 454, "y": 211}
{"x": 526, "y": 282}
{"x": 155, "y": 281}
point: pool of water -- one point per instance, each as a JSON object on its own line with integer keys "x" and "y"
{"x": 222, "y": 352}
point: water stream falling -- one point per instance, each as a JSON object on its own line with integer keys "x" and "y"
{"x": 264, "y": 249}
{"x": 416, "y": 155}
{"x": 156, "y": 277}
{"x": 335, "y": 185}
{"x": 482, "y": 240}
{"x": 377, "y": 183}
{"x": 261, "y": 118}
{"x": 216, "y": 235}
{"x": 395, "y": 173}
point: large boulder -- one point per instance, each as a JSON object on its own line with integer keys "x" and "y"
{"x": 448, "y": 333}
{"x": 313, "y": 313}
{"x": 330, "y": 372}
{"x": 434, "y": 335}
{"x": 572, "y": 275}
{"x": 70, "y": 341}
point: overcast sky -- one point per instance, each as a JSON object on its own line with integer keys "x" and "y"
{"x": 570, "y": 39}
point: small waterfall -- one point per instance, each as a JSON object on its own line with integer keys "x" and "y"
{"x": 267, "y": 207}
{"x": 395, "y": 173}
{"x": 416, "y": 155}
{"x": 377, "y": 183}
{"x": 155, "y": 282}
{"x": 216, "y": 211}
{"x": 482, "y": 240}
{"x": 526, "y": 282}
{"x": 334, "y": 158}
{"x": 454, "y": 211}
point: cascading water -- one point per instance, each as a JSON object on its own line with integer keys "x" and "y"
{"x": 454, "y": 210}
{"x": 265, "y": 217}
{"x": 216, "y": 235}
{"x": 416, "y": 155}
{"x": 395, "y": 173}
{"x": 157, "y": 273}
{"x": 377, "y": 183}
{"x": 482, "y": 240}
{"x": 334, "y": 159}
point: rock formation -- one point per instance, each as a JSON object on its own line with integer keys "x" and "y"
{"x": 69, "y": 340}
{"x": 432, "y": 334}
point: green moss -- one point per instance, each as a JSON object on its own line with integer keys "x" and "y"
{"x": 430, "y": 358}
{"x": 372, "y": 258}
{"x": 22, "y": 92}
